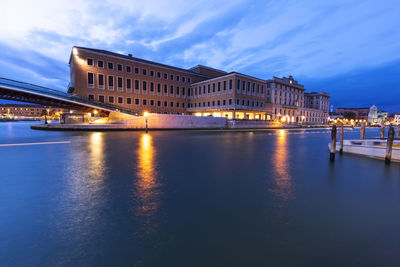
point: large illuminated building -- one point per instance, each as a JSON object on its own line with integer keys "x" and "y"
{"x": 143, "y": 85}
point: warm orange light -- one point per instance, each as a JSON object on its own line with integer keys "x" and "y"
{"x": 95, "y": 112}
{"x": 282, "y": 187}
{"x": 145, "y": 113}
{"x": 75, "y": 51}
{"x": 147, "y": 185}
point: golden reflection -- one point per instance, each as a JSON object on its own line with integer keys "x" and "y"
{"x": 96, "y": 158}
{"x": 147, "y": 184}
{"x": 282, "y": 181}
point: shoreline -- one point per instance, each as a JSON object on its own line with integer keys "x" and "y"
{"x": 111, "y": 127}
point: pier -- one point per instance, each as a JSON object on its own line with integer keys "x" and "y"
{"x": 384, "y": 148}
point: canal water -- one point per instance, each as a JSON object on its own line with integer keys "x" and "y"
{"x": 193, "y": 198}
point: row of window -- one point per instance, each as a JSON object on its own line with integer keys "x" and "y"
{"x": 302, "y": 113}
{"x": 136, "y": 101}
{"x": 138, "y": 71}
{"x": 286, "y": 88}
{"x": 214, "y": 87}
{"x": 165, "y": 89}
{"x": 243, "y": 86}
{"x": 242, "y": 102}
{"x": 137, "y": 85}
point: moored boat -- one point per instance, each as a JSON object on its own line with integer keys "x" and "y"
{"x": 375, "y": 148}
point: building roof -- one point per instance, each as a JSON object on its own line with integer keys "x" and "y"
{"x": 230, "y": 74}
{"x": 286, "y": 81}
{"x": 215, "y": 72}
{"x": 352, "y": 108}
{"x": 317, "y": 93}
{"x": 129, "y": 57}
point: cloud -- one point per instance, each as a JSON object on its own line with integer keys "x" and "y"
{"x": 317, "y": 38}
{"x": 308, "y": 39}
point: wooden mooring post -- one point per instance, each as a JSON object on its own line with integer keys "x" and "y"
{"x": 382, "y": 135}
{"x": 341, "y": 138}
{"x": 333, "y": 143}
{"x": 389, "y": 145}
{"x": 362, "y": 137}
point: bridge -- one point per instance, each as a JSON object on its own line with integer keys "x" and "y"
{"x": 26, "y": 92}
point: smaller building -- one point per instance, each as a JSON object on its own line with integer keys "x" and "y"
{"x": 316, "y": 107}
{"x": 396, "y": 119}
{"x": 353, "y": 113}
{"x": 29, "y": 110}
{"x": 376, "y": 116}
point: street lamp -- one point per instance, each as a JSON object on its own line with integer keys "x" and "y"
{"x": 145, "y": 115}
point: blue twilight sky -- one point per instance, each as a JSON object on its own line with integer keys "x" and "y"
{"x": 348, "y": 48}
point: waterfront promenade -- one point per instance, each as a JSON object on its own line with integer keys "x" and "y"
{"x": 193, "y": 198}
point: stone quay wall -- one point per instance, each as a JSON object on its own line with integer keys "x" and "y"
{"x": 168, "y": 121}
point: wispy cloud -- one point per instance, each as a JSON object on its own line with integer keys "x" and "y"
{"x": 310, "y": 39}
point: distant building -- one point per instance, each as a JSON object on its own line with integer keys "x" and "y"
{"x": 396, "y": 119}
{"x": 376, "y": 116}
{"x": 316, "y": 107}
{"x": 353, "y": 113}
{"x": 28, "y": 110}
{"x": 373, "y": 115}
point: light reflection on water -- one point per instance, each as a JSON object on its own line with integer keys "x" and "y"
{"x": 282, "y": 181}
{"x": 122, "y": 199}
{"x": 147, "y": 186}
{"x": 96, "y": 157}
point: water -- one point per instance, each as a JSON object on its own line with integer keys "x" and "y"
{"x": 193, "y": 198}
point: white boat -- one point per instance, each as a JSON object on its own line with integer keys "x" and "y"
{"x": 375, "y": 148}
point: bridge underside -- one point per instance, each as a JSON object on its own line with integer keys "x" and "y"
{"x": 45, "y": 101}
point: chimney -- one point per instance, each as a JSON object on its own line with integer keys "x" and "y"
{"x": 129, "y": 55}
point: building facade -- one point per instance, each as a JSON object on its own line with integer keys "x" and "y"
{"x": 291, "y": 104}
{"x": 233, "y": 95}
{"x": 28, "y": 110}
{"x": 396, "y": 119}
{"x": 376, "y": 116}
{"x": 316, "y": 108}
{"x": 353, "y": 113}
{"x": 142, "y": 85}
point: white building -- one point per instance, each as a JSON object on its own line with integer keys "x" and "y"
{"x": 373, "y": 115}
{"x": 376, "y": 116}
{"x": 396, "y": 119}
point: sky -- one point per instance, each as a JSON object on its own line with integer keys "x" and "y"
{"x": 349, "y": 48}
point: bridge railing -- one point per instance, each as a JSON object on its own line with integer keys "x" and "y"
{"x": 64, "y": 95}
